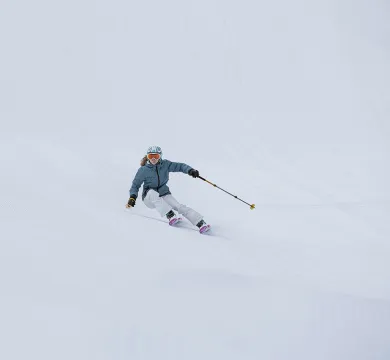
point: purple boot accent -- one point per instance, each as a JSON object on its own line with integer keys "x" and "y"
{"x": 204, "y": 229}
{"x": 174, "y": 220}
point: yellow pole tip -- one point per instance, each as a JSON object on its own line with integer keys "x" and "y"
{"x": 252, "y": 206}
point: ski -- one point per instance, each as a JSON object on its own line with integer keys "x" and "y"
{"x": 178, "y": 223}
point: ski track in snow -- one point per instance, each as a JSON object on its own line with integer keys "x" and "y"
{"x": 185, "y": 225}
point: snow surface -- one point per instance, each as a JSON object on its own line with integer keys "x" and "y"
{"x": 284, "y": 103}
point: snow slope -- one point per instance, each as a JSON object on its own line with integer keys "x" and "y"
{"x": 285, "y": 104}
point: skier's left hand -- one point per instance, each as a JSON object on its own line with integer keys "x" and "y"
{"x": 130, "y": 203}
{"x": 194, "y": 173}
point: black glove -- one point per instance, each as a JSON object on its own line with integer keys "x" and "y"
{"x": 130, "y": 203}
{"x": 194, "y": 173}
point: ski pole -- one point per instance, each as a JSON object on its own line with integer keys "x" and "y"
{"x": 252, "y": 206}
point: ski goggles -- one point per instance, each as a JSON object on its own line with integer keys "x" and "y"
{"x": 153, "y": 156}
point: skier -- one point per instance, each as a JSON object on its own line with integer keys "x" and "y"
{"x": 154, "y": 173}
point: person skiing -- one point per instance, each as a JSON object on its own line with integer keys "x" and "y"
{"x": 154, "y": 174}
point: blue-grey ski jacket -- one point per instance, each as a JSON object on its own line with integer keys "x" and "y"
{"x": 156, "y": 177}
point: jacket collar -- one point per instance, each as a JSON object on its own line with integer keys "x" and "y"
{"x": 151, "y": 166}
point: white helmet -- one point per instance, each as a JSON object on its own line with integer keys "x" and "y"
{"x": 154, "y": 150}
{"x": 154, "y": 154}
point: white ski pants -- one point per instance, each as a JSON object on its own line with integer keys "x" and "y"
{"x": 167, "y": 203}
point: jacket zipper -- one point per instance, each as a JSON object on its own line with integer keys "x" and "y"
{"x": 158, "y": 176}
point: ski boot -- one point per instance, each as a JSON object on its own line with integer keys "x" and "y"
{"x": 203, "y": 227}
{"x": 173, "y": 218}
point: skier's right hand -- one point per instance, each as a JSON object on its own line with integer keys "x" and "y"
{"x": 130, "y": 203}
